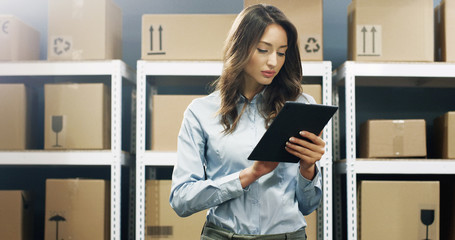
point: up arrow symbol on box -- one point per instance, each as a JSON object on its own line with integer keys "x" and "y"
{"x": 373, "y": 31}
{"x": 364, "y": 30}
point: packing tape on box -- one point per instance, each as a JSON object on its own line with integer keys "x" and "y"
{"x": 398, "y": 138}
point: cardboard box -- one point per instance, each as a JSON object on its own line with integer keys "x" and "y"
{"x": 184, "y": 36}
{"x": 18, "y": 41}
{"x": 77, "y": 209}
{"x": 77, "y": 116}
{"x": 393, "y": 138}
{"x": 84, "y": 30}
{"x": 16, "y": 215}
{"x": 315, "y": 90}
{"x": 444, "y": 130}
{"x": 161, "y": 222}
{"x": 445, "y": 31}
{"x": 306, "y": 15}
{"x": 167, "y": 116}
{"x": 311, "y": 229}
{"x": 14, "y": 117}
{"x": 391, "y": 30}
{"x": 397, "y": 210}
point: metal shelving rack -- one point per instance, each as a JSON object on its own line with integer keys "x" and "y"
{"x": 113, "y": 157}
{"x": 352, "y": 74}
{"x": 146, "y": 158}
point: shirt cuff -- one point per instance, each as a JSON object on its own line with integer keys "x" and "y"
{"x": 306, "y": 184}
{"x": 230, "y": 185}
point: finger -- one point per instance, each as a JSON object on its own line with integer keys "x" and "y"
{"x": 312, "y": 137}
{"x": 303, "y": 151}
{"x": 303, "y": 157}
{"x": 314, "y": 147}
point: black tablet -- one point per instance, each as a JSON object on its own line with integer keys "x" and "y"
{"x": 293, "y": 118}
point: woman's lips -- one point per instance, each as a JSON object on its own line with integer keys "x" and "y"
{"x": 268, "y": 74}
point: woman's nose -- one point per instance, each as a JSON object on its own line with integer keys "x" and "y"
{"x": 272, "y": 60}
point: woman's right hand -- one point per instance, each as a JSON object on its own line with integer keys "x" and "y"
{"x": 255, "y": 171}
{"x": 260, "y": 168}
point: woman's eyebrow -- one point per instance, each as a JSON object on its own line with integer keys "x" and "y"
{"x": 269, "y": 44}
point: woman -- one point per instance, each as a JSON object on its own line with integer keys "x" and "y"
{"x": 248, "y": 199}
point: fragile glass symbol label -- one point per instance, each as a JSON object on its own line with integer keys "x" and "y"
{"x": 369, "y": 40}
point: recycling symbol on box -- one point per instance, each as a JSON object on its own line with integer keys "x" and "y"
{"x": 61, "y": 45}
{"x": 312, "y": 45}
{"x": 4, "y": 27}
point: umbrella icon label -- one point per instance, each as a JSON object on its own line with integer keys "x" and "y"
{"x": 57, "y": 218}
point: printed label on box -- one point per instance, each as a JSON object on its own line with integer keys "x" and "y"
{"x": 156, "y": 34}
{"x": 5, "y": 27}
{"x": 369, "y": 40}
{"x": 60, "y": 218}
{"x": 58, "y": 126}
{"x": 312, "y": 44}
{"x": 61, "y": 46}
{"x": 427, "y": 224}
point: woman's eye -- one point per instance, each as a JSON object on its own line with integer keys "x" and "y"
{"x": 281, "y": 54}
{"x": 262, "y": 50}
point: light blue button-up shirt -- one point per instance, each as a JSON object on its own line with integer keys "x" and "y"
{"x": 275, "y": 203}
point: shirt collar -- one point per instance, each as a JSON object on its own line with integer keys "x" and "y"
{"x": 257, "y": 97}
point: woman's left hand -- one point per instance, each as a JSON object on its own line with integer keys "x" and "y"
{"x": 309, "y": 151}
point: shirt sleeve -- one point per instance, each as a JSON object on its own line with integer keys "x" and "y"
{"x": 309, "y": 192}
{"x": 191, "y": 192}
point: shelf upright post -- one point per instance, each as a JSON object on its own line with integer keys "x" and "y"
{"x": 351, "y": 181}
{"x": 336, "y": 155}
{"x": 116, "y": 148}
{"x": 325, "y": 226}
{"x": 140, "y": 150}
{"x": 132, "y": 171}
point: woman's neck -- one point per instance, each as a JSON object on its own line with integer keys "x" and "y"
{"x": 250, "y": 91}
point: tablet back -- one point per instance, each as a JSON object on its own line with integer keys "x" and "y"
{"x": 293, "y": 118}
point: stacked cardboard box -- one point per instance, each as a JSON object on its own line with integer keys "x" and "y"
{"x": 77, "y": 116}
{"x": 306, "y": 15}
{"x": 311, "y": 229}
{"x": 445, "y": 31}
{"x": 84, "y": 30}
{"x": 314, "y": 90}
{"x": 184, "y": 36}
{"x": 444, "y": 131}
{"x": 398, "y": 210}
{"x": 16, "y": 215}
{"x": 161, "y": 222}
{"x": 167, "y": 116}
{"x": 18, "y": 41}
{"x": 14, "y": 117}
{"x": 393, "y": 138}
{"x": 391, "y": 30}
{"x": 77, "y": 209}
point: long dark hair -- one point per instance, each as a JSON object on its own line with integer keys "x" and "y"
{"x": 242, "y": 39}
